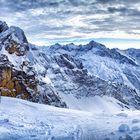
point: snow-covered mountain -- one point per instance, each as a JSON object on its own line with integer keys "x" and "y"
{"x": 72, "y": 76}
{"x": 18, "y": 77}
{"x": 81, "y": 72}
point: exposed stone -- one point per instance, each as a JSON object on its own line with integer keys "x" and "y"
{"x": 18, "y": 49}
{"x": 3, "y": 26}
{"x": 16, "y": 86}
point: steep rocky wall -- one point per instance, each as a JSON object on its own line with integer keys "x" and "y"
{"x": 13, "y": 83}
{"x": 18, "y": 77}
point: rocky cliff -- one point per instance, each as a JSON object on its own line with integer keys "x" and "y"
{"x": 17, "y": 75}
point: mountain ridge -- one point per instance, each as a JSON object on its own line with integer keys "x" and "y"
{"x": 54, "y": 74}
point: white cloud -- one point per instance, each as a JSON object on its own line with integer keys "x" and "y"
{"x": 48, "y": 21}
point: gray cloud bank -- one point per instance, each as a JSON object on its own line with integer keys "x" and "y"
{"x": 45, "y": 20}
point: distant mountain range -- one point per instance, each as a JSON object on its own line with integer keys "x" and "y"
{"x": 69, "y": 75}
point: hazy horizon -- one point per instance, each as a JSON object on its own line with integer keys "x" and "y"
{"x": 108, "y": 42}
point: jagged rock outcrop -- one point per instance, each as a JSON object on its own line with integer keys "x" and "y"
{"x": 3, "y": 26}
{"x": 17, "y": 75}
{"x": 14, "y": 41}
{"x": 14, "y": 82}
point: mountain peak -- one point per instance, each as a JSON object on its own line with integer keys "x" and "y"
{"x": 13, "y": 39}
{"x": 19, "y": 34}
{"x": 3, "y": 26}
{"x": 93, "y": 43}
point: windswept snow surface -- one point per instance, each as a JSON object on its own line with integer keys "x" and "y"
{"x": 23, "y": 120}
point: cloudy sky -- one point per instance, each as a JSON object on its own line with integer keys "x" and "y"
{"x": 116, "y": 23}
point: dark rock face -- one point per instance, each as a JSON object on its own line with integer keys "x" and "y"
{"x": 122, "y": 59}
{"x": 68, "y": 61}
{"x": 14, "y": 41}
{"x": 15, "y": 83}
{"x": 134, "y": 53}
{"x": 4, "y": 61}
{"x": 129, "y": 74}
{"x": 3, "y": 26}
{"x": 16, "y": 48}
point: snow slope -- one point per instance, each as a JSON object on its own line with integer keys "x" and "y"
{"x": 96, "y": 104}
{"x": 23, "y": 120}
